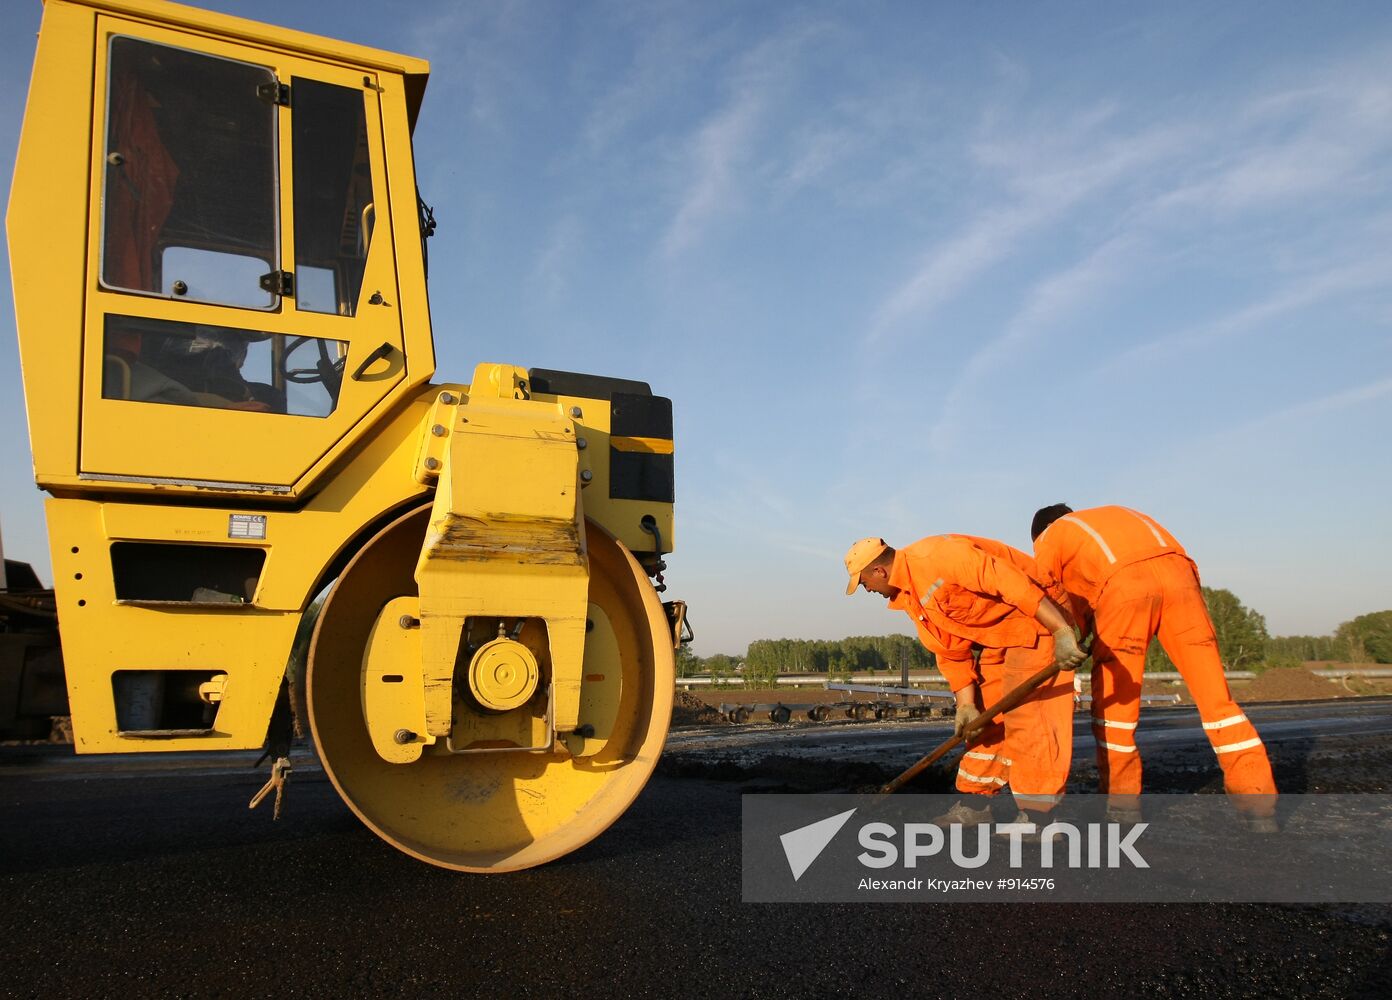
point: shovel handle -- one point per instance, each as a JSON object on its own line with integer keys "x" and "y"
{"x": 1011, "y": 700}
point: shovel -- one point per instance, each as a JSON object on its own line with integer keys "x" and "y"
{"x": 1011, "y": 700}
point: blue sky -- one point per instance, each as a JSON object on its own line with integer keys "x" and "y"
{"x": 915, "y": 268}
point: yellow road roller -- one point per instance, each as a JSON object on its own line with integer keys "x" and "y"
{"x": 218, "y": 256}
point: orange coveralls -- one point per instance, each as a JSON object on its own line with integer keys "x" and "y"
{"x": 961, "y": 590}
{"x": 1141, "y": 583}
{"x": 985, "y": 765}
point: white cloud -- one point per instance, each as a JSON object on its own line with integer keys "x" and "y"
{"x": 1308, "y": 409}
{"x": 552, "y": 271}
{"x": 951, "y": 265}
{"x": 1152, "y": 194}
{"x": 1296, "y": 292}
{"x": 725, "y": 142}
{"x": 1048, "y": 302}
{"x": 716, "y": 151}
{"x": 815, "y": 155}
{"x": 667, "y": 49}
{"x": 1040, "y": 186}
{"x": 474, "y": 50}
{"x": 1319, "y": 137}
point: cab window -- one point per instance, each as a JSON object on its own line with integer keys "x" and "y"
{"x": 189, "y": 193}
{"x": 333, "y": 196}
{"x": 198, "y": 364}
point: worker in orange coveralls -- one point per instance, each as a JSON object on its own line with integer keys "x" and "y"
{"x": 1140, "y": 583}
{"x": 961, "y": 590}
{"x": 984, "y": 768}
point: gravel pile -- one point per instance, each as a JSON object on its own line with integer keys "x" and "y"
{"x": 688, "y": 710}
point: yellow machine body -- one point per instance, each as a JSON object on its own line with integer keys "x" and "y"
{"x": 220, "y": 292}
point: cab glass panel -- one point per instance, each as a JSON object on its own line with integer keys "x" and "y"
{"x": 189, "y": 194}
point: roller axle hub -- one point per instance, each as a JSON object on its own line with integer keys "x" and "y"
{"x": 503, "y": 675}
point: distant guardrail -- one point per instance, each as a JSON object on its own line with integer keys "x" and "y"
{"x": 1174, "y": 675}
{"x": 803, "y": 679}
{"x": 886, "y": 690}
{"x": 809, "y": 680}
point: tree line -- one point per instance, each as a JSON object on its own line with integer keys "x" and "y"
{"x": 1244, "y": 643}
{"x": 766, "y": 658}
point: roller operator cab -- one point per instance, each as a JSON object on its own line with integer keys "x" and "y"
{"x": 217, "y": 251}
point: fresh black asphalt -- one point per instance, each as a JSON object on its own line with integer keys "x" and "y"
{"x": 121, "y": 880}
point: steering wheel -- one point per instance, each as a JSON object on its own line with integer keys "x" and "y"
{"x": 326, "y": 370}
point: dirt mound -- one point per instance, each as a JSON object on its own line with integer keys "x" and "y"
{"x": 1287, "y": 684}
{"x": 688, "y": 710}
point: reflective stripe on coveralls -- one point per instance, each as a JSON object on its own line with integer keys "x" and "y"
{"x": 1113, "y": 734}
{"x": 1101, "y": 542}
{"x": 1141, "y": 585}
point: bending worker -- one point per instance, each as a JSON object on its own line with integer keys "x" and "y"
{"x": 977, "y": 680}
{"x": 1140, "y": 583}
{"x": 958, "y": 593}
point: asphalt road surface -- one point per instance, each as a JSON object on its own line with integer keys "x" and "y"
{"x": 1296, "y": 733}
{"x": 151, "y": 878}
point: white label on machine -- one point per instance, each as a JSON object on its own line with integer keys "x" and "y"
{"x": 246, "y": 526}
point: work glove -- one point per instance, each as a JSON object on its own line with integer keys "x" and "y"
{"x": 967, "y": 713}
{"x": 1067, "y": 653}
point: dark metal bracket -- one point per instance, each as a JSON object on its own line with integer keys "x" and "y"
{"x": 279, "y": 283}
{"x": 274, "y": 92}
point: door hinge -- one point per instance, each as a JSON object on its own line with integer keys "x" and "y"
{"x": 279, "y": 283}
{"x": 274, "y": 92}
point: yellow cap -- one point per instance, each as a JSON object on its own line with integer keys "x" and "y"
{"x": 860, "y": 555}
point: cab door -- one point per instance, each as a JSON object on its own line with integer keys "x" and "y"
{"x": 242, "y": 313}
